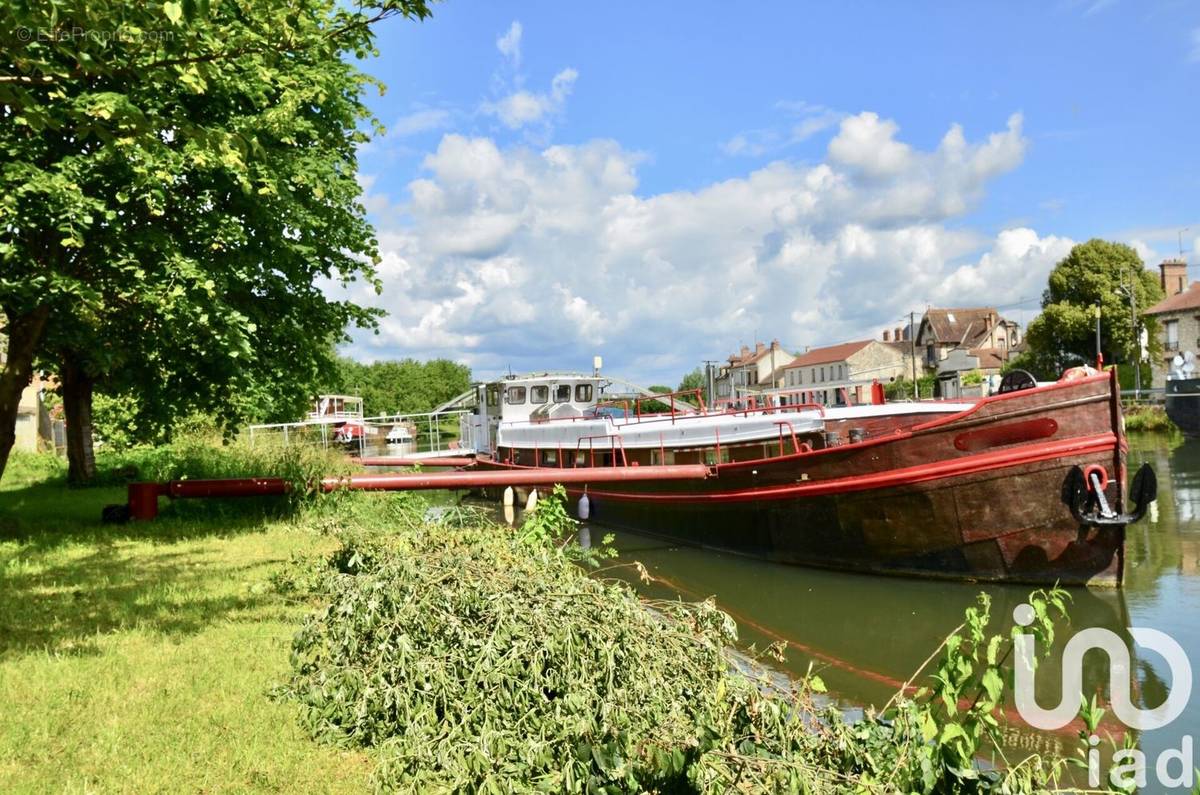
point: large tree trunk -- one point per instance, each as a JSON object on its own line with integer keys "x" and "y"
{"x": 24, "y": 334}
{"x": 77, "y": 387}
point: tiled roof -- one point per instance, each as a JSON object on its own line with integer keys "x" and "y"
{"x": 831, "y": 353}
{"x": 1188, "y": 299}
{"x": 959, "y": 326}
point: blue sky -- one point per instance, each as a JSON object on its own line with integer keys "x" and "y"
{"x": 658, "y": 182}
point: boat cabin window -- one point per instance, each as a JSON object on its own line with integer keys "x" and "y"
{"x": 493, "y": 395}
{"x": 583, "y": 393}
{"x": 562, "y": 393}
{"x": 539, "y": 394}
{"x": 514, "y": 395}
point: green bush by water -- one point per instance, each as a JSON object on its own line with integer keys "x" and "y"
{"x": 1147, "y": 418}
{"x": 470, "y": 659}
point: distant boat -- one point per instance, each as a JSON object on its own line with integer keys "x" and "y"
{"x": 1182, "y": 394}
{"x": 1024, "y": 486}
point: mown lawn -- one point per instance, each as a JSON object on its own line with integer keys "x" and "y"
{"x": 139, "y": 658}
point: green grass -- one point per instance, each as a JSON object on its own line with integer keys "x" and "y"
{"x": 1147, "y": 418}
{"x": 138, "y": 658}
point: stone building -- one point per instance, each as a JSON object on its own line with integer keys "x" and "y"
{"x": 830, "y": 374}
{"x": 1178, "y": 317}
{"x": 971, "y": 329}
{"x": 750, "y": 370}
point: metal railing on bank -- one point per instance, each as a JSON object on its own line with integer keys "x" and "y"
{"x": 1149, "y": 396}
{"x": 407, "y": 435}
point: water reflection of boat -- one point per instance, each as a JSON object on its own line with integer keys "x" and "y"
{"x": 866, "y": 636}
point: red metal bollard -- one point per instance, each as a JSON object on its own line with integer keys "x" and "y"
{"x": 143, "y": 500}
{"x": 877, "y": 394}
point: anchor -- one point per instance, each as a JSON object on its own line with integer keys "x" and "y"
{"x": 1084, "y": 495}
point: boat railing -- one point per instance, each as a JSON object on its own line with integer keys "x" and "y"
{"x": 669, "y": 397}
{"x": 334, "y": 416}
{"x": 791, "y": 430}
{"x": 615, "y": 443}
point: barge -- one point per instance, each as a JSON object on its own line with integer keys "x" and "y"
{"x": 1028, "y": 485}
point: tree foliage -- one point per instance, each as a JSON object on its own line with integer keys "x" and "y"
{"x": 178, "y": 190}
{"x": 695, "y": 380}
{"x": 1095, "y": 273}
{"x": 401, "y": 387}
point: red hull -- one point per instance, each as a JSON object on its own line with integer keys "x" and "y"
{"x": 973, "y": 495}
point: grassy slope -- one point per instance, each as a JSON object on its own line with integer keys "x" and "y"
{"x": 138, "y": 658}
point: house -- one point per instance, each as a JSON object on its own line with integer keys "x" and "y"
{"x": 1178, "y": 316}
{"x": 955, "y": 342}
{"x": 751, "y": 370}
{"x": 976, "y": 328}
{"x": 834, "y": 373}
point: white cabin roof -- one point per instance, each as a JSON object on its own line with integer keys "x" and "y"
{"x": 698, "y": 430}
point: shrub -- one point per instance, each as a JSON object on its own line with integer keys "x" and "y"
{"x": 473, "y": 659}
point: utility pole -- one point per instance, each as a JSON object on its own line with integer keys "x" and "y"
{"x": 710, "y": 384}
{"x": 1137, "y": 343}
{"x": 912, "y": 345}
{"x": 1099, "y": 354}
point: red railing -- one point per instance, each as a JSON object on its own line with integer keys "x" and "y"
{"x": 620, "y": 445}
{"x": 698, "y": 394}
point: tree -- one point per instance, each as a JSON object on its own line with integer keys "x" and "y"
{"x": 178, "y": 181}
{"x": 405, "y": 386}
{"x": 695, "y": 380}
{"x": 1095, "y": 273}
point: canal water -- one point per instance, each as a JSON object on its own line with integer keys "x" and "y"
{"x": 866, "y": 635}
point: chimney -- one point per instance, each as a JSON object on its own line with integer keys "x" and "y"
{"x": 774, "y": 345}
{"x": 745, "y": 351}
{"x": 1173, "y": 277}
{"x": 896, "y": 334}
{"x": 887, "y": 336}
{"x": 759, "y": 347}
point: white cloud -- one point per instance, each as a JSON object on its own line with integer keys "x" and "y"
{"x": 1149, "y": 256}
{"x": 1097, "y": 6}
{"x": 536, "y": 258}
{"x": 522, "y": 108}
{"x": 420, "y": 121}
{"x": 509, "y": 44}
{"x": 806, "y": 121}
{"x": 514, "y": 105}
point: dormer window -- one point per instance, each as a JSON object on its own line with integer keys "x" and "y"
{"x": 539, "y": 394}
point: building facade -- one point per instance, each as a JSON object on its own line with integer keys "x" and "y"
{"x": 751, "y": 370}
{"x": 836, "y": 373}
{"x": 1178, "y": 317}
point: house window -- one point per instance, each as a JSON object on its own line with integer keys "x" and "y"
{"x": 812, "y": 375}
{"x": 930, "y": 355}
{"x": 539, "y": 394}
{"x": 514, "y": 395}
{"x": 1171, "y": 328}
{"x": 583, "y": 393}
{"x": 562, "y": 393}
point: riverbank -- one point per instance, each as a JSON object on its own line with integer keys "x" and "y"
{"x": 137, "y": 658}
{"x": 436, "y": 649}
{"x": 1146, "y": 417}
